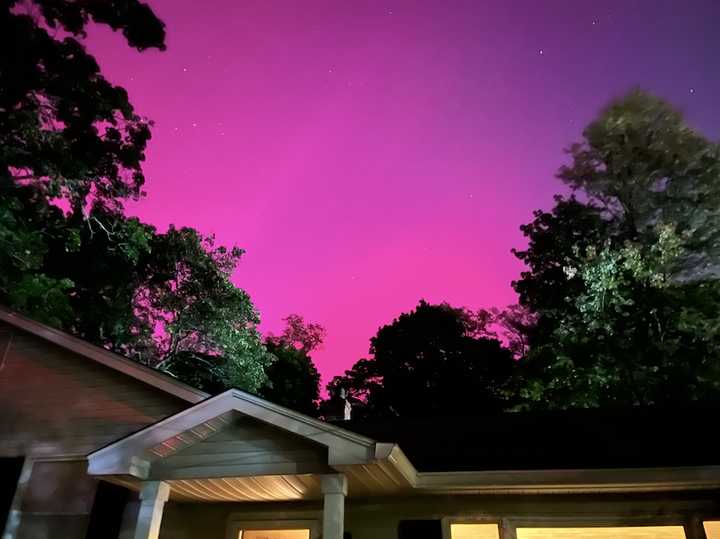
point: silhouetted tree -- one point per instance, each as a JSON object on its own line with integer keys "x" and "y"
{"x": 69, "y": 138}
{"x": 293, "y": 379}
{"x": 63, "y": 127}
{"x": 66, "y": 135}
{"x": 430, "y": 361}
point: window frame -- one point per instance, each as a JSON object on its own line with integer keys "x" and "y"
{"x": 511, "y": 524}
{"x": 236, "y": 525}
{"x": 447, "y": 522}
{"x": 702, "y": 522}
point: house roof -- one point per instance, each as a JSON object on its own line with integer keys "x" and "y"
{"x": 558, "y": 440}
{"x": 105, "y": 357}
{"x": 451, "y": 457}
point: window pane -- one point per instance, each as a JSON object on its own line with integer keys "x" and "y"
{"x": 712, "y": 529}
{"x": 634, "y": 532}
{"x": 474, "y": 531}
{"x": 275, "y": 534}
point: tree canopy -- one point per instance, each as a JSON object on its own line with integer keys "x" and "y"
{"x": 624, "y": 284}
{"x": 71, "y": 154}
{"x": 433, "y": 360}
{"x": 644, "y": 167}
{"x": 63, "y": 127}
{"x": 293, "y": 379}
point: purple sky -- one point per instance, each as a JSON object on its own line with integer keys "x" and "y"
{"x": 367, "y": 154}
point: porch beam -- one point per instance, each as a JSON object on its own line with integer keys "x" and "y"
{"x": 153, "y": 496}
{"x": 334, "y": 489}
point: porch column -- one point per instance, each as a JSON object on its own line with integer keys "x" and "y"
{"x": 334, "y": 489}
{"x": 507, "y": 530}
{"x": 153, "y": 496}
{"x": 694, "y": 528}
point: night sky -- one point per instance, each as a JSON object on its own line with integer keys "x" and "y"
{"x": 367, "y": 154}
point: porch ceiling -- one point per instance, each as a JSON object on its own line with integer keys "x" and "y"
{"x": 371, "y": 480}
{"x": 268, "y": 488}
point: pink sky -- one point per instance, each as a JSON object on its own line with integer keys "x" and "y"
{"x": 367, "y": 154}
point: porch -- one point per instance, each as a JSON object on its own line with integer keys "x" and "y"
{"x": 239, "y": 448}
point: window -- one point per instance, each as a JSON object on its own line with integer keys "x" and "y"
{"x": 712, "y": 529}
{"x": 275, "y": 534}
{"x": 625, "y": 532}
{"x": 474, "y": 530}
{"x": 273, "y": 529}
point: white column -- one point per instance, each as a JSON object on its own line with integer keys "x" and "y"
{"x": 15, "y": 514}
{"x": 334, "y": 489}
{"x": 153, "y": 496}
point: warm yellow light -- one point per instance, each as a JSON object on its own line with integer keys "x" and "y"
{"x": 712, "y": 529}
{"x": 275, "y": 534}
{"x": 634, "y": 532}
{"x": 474, "y": 531}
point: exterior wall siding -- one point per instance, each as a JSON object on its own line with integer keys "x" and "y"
{"x": 58, "y": 404}
{"x": 57, "y": 407}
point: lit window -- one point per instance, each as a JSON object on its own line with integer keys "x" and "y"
{"x": 629, "y": 532}
{"x": 474, "y": 531}
{"x": 712, "y": 529}
{"x": 275, "y": 534}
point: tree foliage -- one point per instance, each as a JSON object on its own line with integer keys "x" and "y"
{"x": 164, "y": 299}
{"x": 305, "y": 336}
{"x": 292, "y": 378}
{"x": 434, "y": 360}
{"x": 644, "y": 166}
{"x": 624, "y": 285}
{"x": 635, "y": 335}
{"x": 64, "y": 127}
{"x": 70, "y": 139}
{"x": 26, "y": 226}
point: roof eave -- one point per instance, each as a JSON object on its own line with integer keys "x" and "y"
{"x": 617, "y": 480}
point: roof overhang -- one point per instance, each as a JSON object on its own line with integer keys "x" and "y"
{"x": 582, "y": 481}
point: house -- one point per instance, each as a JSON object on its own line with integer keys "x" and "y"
{"x": 93, "y": 445}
